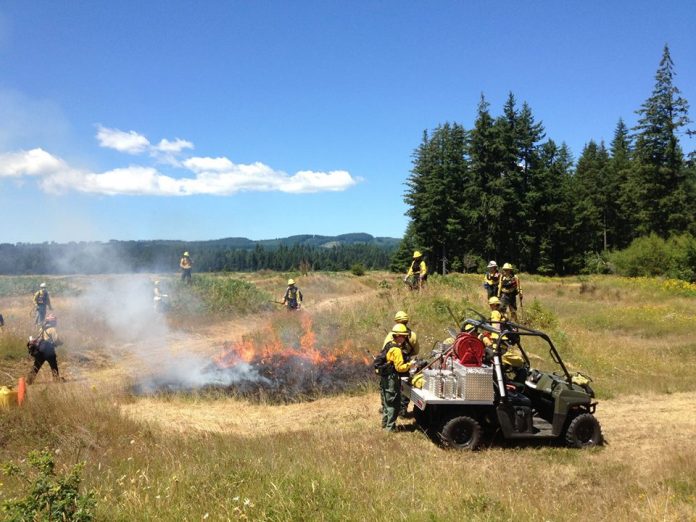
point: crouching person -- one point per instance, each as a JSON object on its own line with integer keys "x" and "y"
{"x": 43, "y": 349}
{"x": 391, "y": 366}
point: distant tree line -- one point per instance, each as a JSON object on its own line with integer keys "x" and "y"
{"x": 211, "y": 256}
{"x": 502, "y": 190}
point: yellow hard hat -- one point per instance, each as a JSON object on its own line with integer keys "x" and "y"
{"x": 418, "y": 381}
{"x": 417, "y": 254}
{"x": 186, "y": 254}
{"x": 494, "y": 301}
{"x": 401, "y": 317}
{"x": 507, "y": 266}
{"x": 399, "y": 329}
{"x": 291, "y": 281}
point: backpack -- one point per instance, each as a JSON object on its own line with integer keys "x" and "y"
{"x": 380, "y": 364}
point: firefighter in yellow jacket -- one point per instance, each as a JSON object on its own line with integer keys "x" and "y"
{"x": 417, "y": 272}
{"x": 42, "y": 301}
{"x": 409, "y": 349}
{"x": 512, "y": 357}
{"x": 43, "y": 349}
{"x": 186, "y": 266}
{"x": 293, "y": 296}
{"x": 508, "y": 291}
{"x": 390, "y": 381}
{"x": 492, "y": 279}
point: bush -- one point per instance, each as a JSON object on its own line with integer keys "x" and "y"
{"x": 211, "y": 294}
{"x": 358, "y": 269}
{"x": 595, "y": 263}
{"x": 50, "y": 496}
{"x": 538, "y": 316}
{"x": 654, "y": 256}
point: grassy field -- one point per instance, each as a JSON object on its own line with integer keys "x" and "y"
{"x": 213, "y": 457}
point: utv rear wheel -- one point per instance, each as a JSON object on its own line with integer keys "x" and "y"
{"x": 463, "y": 433}
{"x": 584, "y": 431}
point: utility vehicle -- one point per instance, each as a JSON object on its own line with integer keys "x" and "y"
{"x": 469, "y": 393}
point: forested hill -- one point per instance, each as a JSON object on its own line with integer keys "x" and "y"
{"x": 233, "y": 254}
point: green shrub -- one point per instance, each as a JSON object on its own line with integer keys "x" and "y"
{"x": 215, "y": 294}
{"x": 50, "y": 496}
{"x": 595, "y": 263}
{"x": 537, "y": 315}
{"x": 358, "y": 269}
{"x": 653, "y": 256}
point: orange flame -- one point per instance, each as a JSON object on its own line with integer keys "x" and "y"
{"x": 271, "y": 348}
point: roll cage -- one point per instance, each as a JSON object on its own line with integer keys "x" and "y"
{"x": 512, "y": 330}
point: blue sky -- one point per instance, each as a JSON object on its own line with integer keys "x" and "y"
{"x": 201, "y": 120}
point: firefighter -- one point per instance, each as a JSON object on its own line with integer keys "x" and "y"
{"x": 159, "y": 299}
{"x": 409, "y": 349}
{"x": 497, "y": 315}
{"x": 417, "y": 272}
{"x": 43, "y": 349}
{"x": 512, "y": 357}
{"x": 293, "y": 297}
{"x": 186, "y": 265}
{"x": 508, "y": 291}
{"x": 42, "y": 300}
{"x": 390, "y": 382}
{"x": 497, "y": 320}
{"x": 492, "y": 279}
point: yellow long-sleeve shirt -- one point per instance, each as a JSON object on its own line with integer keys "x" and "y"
{"x": 396, "y": 356}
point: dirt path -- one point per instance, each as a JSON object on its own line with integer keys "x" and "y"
{"x": 624, "y": 420}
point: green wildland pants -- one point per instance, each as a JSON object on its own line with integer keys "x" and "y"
{"x": 390, "y": 392}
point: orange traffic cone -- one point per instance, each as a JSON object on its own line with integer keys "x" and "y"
{"x": 21, "y": 390}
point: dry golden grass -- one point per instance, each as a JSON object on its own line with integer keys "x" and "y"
{"x": 185, "y": 457}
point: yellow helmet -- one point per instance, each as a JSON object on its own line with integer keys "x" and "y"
{"x": 291, "y": 281}
{"x": 494, "y": 301}
{"x": 186, "y": 254}
{"x": 399, "y": 329}
{"x": 401, "y": 317}
{"x": 507, "y": 266}
{"x": 417, "y": 254}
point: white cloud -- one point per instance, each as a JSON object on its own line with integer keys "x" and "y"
{"x": 35, "y": 162}
{"x": 213, "y": 176}
{"x": 173, "y": 147}
{"x": 208, "y": 164}
{"x": 129, "y": 142}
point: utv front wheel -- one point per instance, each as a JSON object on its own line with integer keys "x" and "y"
{"x": 584, "y": 431}
{"x": 463, "y": 433}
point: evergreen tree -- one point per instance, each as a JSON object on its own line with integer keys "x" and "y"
{"x": 535, "y": 195}
{"x": 549, "y": 209}
{"x": 658, "y": 187}
{"x": 482, "y": 207}
{"x": 508, "y": 184}
{"x": 437, "y": 179}
{"x": 592, "y": 199}
{"x": 619, "y": 171}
